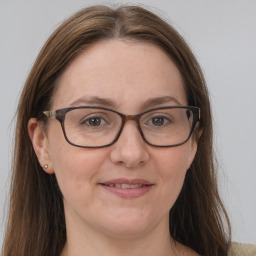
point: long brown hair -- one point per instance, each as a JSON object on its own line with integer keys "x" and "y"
{"x": 36, "y": 224}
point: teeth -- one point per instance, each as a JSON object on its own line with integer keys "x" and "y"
{"x": 125, "y": 185}
{"x": 130, "y": 185}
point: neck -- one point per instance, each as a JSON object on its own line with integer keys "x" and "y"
{"x": 93, "y": 243}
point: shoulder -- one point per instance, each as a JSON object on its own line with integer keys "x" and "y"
{"x": 239, "y": 249}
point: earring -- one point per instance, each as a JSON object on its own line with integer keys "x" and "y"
{"x": 45, "y": 166}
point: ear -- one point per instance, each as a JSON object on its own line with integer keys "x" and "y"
{"x": 197, "y": 133}
{"x": 194, "y": 143}
{"x": 39, "y": 141}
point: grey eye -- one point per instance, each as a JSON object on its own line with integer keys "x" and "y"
{"x": 94, "y": 121}
{"x": 158, "y": 121}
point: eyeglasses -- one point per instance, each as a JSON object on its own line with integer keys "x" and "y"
{"x": 97, "y": 127}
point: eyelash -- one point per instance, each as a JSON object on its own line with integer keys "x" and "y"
{"x": 159, "y": 116}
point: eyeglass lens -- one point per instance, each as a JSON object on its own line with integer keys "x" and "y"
{"x": 98, "y": 127}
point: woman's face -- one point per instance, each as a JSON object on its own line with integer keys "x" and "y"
{"x": 129, "y": 75}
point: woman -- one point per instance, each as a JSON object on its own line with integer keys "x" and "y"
{"x": 113, "y": 150}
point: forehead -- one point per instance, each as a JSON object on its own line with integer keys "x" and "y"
{"x": 124, "y": 72}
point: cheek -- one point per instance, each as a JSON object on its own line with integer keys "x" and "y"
{"x": 173, "y": 160}
{"x": 75, "y": 168}
{"x": 69, "y": 161}
{"x": 172, "y": 166}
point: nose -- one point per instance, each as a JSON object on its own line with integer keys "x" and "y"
{"x": 130, "y": 150}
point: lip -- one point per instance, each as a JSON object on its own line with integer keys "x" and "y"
{"x": 128, "y": 193}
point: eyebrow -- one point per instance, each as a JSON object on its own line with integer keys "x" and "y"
{"x": 94, "y": 101}
{"x": 106, "y": 102}
{"x": 158, "y": 101}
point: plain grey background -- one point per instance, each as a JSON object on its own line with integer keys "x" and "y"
{"x": 222, "y": 34}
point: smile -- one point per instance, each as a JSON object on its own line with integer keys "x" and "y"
{"x": 123, "y": 185}
{"x": 127, "y": 189}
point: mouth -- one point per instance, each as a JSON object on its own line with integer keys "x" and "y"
{"x": 127, "y": 188}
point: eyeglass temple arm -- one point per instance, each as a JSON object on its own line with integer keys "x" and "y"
{"x": 50, "y": 114}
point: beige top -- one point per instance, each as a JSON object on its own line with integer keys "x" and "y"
{"x": 238, "y": 249}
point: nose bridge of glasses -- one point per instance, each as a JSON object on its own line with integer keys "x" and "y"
{"x": 132, "y": 117}
{"x": 135, "y": 118}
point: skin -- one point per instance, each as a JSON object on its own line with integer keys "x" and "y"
{"x": 99, "y": 222}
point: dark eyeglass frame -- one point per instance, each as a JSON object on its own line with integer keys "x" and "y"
{"x": 60, "y": 116}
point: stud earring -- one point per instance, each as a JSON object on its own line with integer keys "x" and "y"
{"x": 45, "y": 166}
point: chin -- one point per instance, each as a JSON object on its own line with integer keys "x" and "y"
{"x": 129, "y": 225}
